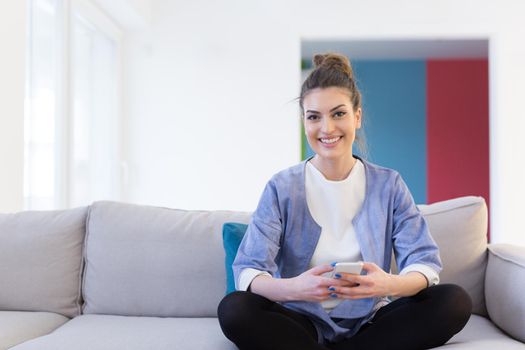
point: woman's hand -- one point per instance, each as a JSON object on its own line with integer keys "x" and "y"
{"x": 308, "y": 286}
{"x": 311, "y": 286}
{"x": 378, "y": 283}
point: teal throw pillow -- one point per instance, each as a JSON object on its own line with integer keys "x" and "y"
{"x": 232, "y": 234}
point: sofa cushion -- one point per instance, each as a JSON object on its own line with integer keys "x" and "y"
{"x": 101, "y": 332}
{"x": 151, "y": 261}
{"x": 17, "y": 327}
{"x": 459, "y": 227}
{"x": 41, "y": 260}
{"x": 232, "y": 235}
{"x": 481, "y": 334}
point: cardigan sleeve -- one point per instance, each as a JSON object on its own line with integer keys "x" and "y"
{"x": 261, "y": 243}
{"x": 413, "y": 245}
{"x": 430, "y": 274}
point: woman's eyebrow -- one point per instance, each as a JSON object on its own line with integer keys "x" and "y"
{"x": 333, "y": 109}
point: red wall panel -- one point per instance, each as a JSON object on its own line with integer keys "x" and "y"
{"x": 457, "y": 129}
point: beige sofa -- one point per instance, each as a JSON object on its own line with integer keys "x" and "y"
{"x": 123, "y": 276}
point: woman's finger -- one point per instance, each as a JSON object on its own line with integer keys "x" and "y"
{"x": 353, "y": 278}
{"x": 370, "y": 267}
{"x": 352, "y": 292}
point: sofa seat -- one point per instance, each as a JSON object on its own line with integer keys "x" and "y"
{"x": 103, "y": 332}
{"x": 17, "y": 327}
{"x": 480, "y": 333}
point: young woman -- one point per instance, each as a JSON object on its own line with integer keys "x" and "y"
{"x": 337, "y": 207}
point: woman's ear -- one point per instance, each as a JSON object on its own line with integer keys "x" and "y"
{"x": 358, "y": 115}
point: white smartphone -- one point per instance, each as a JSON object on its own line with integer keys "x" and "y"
{"x": 348, "y": 267}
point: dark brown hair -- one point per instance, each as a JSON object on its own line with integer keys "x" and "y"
{"x": 331, "y": 70}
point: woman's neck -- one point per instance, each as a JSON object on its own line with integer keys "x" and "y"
{"x": 334, "y": 169}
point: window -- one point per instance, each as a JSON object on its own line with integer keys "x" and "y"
{"x": 41, "y": 106}
{"x": 72, "y": 125}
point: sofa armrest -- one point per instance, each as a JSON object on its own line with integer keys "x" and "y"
{"x": 504, "y": 286}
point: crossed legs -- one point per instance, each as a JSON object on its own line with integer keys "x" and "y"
{"x": 425, "y": 320}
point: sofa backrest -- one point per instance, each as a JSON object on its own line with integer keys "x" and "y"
{"x": 151, "y": 261}
{"x": 459, "y": 227}
{"x": 41, "y": 260}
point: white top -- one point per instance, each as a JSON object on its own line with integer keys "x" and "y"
{"x": 333, "y": 205}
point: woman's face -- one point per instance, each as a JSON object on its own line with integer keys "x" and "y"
{"x": 330, "y": 122}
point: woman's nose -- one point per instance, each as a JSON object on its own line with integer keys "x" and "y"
{"x": 327, "y": 125}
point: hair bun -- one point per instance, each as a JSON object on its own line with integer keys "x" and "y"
{"x": 333, "y": 61}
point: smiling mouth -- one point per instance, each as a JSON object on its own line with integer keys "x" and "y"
{"x": 330, "y": 140}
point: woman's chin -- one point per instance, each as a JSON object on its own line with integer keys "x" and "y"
{"x": 332, "y": 154}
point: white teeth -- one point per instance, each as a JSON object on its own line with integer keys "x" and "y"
{"x": 335, "y": 139}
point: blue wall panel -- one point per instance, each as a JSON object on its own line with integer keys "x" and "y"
{"x": 394, "y": 105}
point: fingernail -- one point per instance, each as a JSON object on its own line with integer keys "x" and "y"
{"x": 333, "y": 295}
{"x": 333, "y": 264}
{"x": 337, "y": 275}
{"x": 331, "y": 288}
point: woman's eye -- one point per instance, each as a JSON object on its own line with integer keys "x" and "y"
{"x": 312, "y": 117}
{"x": 339, "y": 114}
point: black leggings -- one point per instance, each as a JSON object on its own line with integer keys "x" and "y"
{"x": 425, "y": 320}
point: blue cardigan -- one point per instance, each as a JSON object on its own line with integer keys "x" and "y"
{"x": 282, "y": 236}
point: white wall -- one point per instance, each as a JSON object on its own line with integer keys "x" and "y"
{"x": 12, "y": 83}
{"x": 208, "y": 86}
{"x": 209, "y": 104}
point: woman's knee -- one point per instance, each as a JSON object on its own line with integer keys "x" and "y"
{"x": 231, "y": 303}
{"x": 453, "y": 303}
{"x": 236, "y": 309}
{"x": 229, "y": 310}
